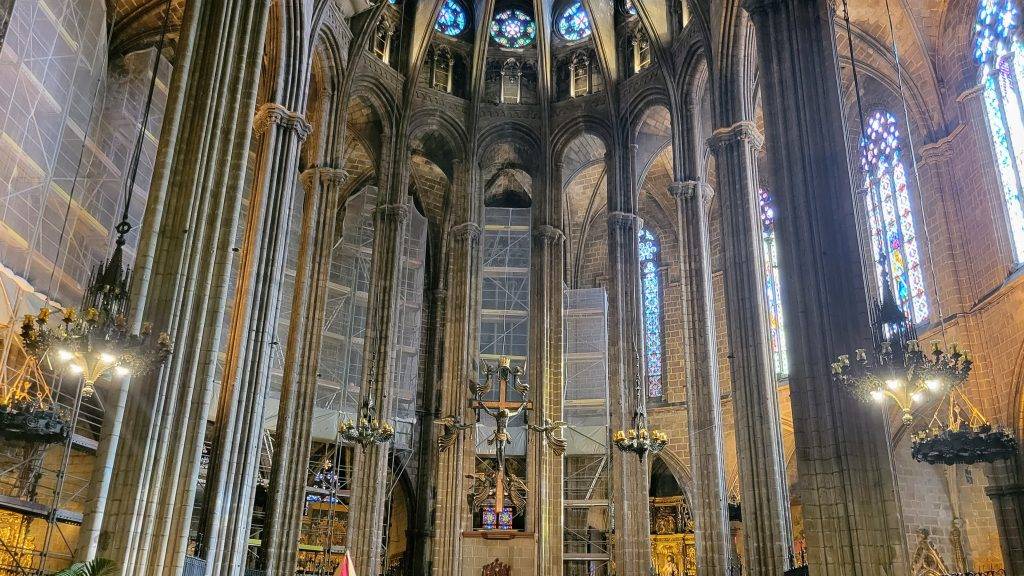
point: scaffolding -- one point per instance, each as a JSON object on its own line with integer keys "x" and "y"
{"x": 587, "y": 518}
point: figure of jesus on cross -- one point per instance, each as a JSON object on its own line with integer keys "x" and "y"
{"x": 503, "y": 410}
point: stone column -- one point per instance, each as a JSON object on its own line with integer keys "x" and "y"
{"x": 629, "y": 475}
{"x": 323, "y": 189}
{"x": 546, "y": 381}
{"x": 851, "y": 517}
{"x": 703, "y": 398}
{"x": 1007, "y": 493}
{"x": 762, "y": 469}
{"x": 232, "y": 479}
{"x": 370, "y": 486}
{"x": 181, "y": 281}
{"x": 459, "y": 352}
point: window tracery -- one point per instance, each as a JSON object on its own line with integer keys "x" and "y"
{"x": 451, "y": 20}
{"x": 511, "y": 81}
{"x": 772, "y": 285}
{"x": 641, "y": 51}
{"x": 382, "y": 40}
{"x": 579, "y": 74}
{"x": 574, "y": 23}
{"x": 1000, "y": 52}
{"x": 513, "y": 29}
{"x": 650, "y": 295}
{"x": 441, "y": 76}
{"x": 890, "y": 217}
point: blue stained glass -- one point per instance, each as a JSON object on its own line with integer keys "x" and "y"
{"x": 574, "y": 23}
{"x": 630, "y": 7}
{"x": 451, "y": 20}
{"x": 1000, "y": 52}
{"x": 772, "y": 285}
{"x": 513, "y": 29}
{"x": 493, "y": 520}
{"x": 650, "y": 293}
{"x": 890, "y": 216}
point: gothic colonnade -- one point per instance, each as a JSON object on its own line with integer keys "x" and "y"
{"x": 196, "y": 204}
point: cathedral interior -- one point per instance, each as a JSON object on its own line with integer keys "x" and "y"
{"x": 511, "y": 287}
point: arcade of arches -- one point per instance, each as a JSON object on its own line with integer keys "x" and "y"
{"x": 345, "y": 212}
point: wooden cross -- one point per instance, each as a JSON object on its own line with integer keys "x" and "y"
{"x": 502, "y": 408}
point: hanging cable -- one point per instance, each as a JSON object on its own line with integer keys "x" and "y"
{"x": 917, "y": 177}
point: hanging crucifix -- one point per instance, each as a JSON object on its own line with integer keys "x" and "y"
{"x": 501, "y": 481}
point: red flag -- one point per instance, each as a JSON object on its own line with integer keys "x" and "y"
{"x": 345, "y": 567}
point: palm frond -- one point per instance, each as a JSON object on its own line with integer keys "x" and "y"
{"x": 97, "y": 567}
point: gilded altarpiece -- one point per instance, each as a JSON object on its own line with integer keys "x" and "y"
{"x": 673, "y": 551}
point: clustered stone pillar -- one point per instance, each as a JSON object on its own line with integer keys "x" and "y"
{"x": 370, "y": 486}
{"x": 546, "y": 380}
{"x": 766, "y": 538}
{"x": 181, "y": 281}
{"x": 232, "y": 480}
{"x": 850, "y": 514}
{"x": 323, "y": 191}
{"x": 459, "y": 342}
{"x": 628, "y": 472}
{"x": 710, "y": 512}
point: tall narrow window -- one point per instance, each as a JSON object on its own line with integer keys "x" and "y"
{"x": 511, "y": 74}
{"x": 382, "y": 40}
{"x": 441, "y": 79}
{"x": 641, "y": 51}
{"x": 650, "y": 293}
{"x": 890, "y": 217}
{"x": 579, "y": 74}
{"x": 1000, "y": 52}
{"x": 772, "y": 291}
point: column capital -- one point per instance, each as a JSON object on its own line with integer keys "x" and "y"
{"x": 743, "y": 131}
{"x": 624, "y": 220}
{"x": 324, "y": 177}
{"x": 466, "y": 231}
{"x": 974, "y": 92}
{"x": 271, "y": 113}
{"x": 549, "y": 234}
{"x": 939, "y": 151}
{"x": 690, "y": 189}
{"x": 398, "y": 213}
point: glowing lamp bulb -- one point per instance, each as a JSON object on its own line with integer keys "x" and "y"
{"x": 122, "y": 371}
{"x": 893, "y": 384}
{"x": 877, "y": 395}
{"x": 106, "y": 358}
{"x": 933, "y": 384}
{"x": 64, "y": 355}
{"x": 916, "y": 397}
{"x": 76, "y": 368}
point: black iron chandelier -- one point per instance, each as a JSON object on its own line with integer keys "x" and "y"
{"x": 640, "y": 438}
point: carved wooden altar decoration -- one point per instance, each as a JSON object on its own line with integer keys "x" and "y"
{"x": 673, "y": 550}
{"x": 497, "y": 568}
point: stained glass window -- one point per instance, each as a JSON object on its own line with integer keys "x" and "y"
{"x": 772, "y": 287}
{"x": 630, "y": 7}
{"x": 513, "y": 29}
{"x": 493, "y": 520}
{"x": 574, "y": 23}
{"x": 451, "y": 20}
{"x": 890, "y": 216}
{"x": 1000, "y": 52}
{"x": 650, "y": 293}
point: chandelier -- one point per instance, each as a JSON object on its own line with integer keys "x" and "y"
{"x": 27, "y": 410}
{"x": 97, "y": 342}
{"x": 897, "y": 369}
{"x": 640, "y": 438}
{"x": 368, "y": 429}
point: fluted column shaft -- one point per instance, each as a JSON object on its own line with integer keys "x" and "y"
{"x": 460, "y": 338}
{"x": 546, "y": 380}
{"x": 756, "y": 402}
{"x": 703, "y": 398}
{"x": 370, "y": 486}
{"x": 185, "y": 256}
{"x": 846, "y": 479}
{"x": 253, "y": 337}
{"x": 323, "y": 189}
{"x": 628, "y": 472}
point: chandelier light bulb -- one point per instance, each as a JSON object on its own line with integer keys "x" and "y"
{"x": 64, "y": 355}
{"x": 933, "y": 384}
{"x": 893, "y": 384}
{"x": 878, "y": 395}
{"x": 76, "y": 368}
{"x": 122, "y": 371}
{"x": 916, "y": 397}
{"x": 107, "y": 358}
